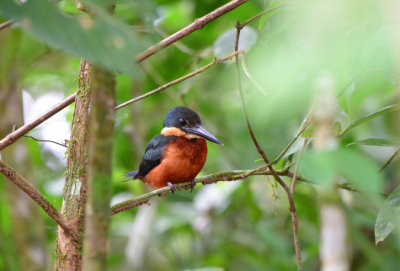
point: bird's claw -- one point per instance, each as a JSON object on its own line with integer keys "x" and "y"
{"x": 172, "y": 187}
{"x": 192, "y": 185}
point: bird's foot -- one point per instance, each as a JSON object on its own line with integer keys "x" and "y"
{"x": 192, "y": 185}
{"x": 172, "y": 186}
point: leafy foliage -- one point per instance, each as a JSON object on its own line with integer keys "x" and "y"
{"x": 242, "y": 225}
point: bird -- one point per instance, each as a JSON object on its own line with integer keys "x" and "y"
{"x": 178, "y": 153}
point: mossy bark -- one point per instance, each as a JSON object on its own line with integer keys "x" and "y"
{"x": 68, "y": 251}
{"x": 102, "y": 117}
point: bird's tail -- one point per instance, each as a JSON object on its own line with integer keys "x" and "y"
{"x": 130, "y": 175}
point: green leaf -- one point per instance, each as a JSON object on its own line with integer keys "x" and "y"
{"x": 318, "y": 167}
{"x": 381, "y": 111}
{"x": 388, "y": 216}
{"x": 102, "y": 39}
{"x": 296, "y": 146}
{"x": 385, "y": 142}
{"x": 206, "y": 269}
{"x": 361, "y": 172}
{"x": 324, "y": 166}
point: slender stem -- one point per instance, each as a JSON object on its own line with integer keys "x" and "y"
{"x": 197, "y": 24}
{"x": 246, "y": 72}
{"x": 302, "y": 128}
{"x": 180, "y": 79}
{"x": 390, "y": 159}
{"x": 260, "y": 14}
{"x": 38, "y": 197}
{"x": 292, "y": 207}
{"x": 381, "y": 111}
{"x": 294, "y": 214}
{"x": 45, "y": 140}
{"x": 15, "y": 135}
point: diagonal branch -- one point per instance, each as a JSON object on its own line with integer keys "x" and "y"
{"x": 35, "y": 194}
{"x": 6, "y": 24}
{"x": 180, "y": 79}
{"x": 390, "y": 159}
{"x": 15, "y": 135}
{"x": 260, "y": 14}
{"x": 197, "y": 24}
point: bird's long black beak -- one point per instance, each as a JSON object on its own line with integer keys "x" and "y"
{"x": 200, "y": 131}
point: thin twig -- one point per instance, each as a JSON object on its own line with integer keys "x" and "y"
{"x": 381, "y": 111}
{"x": 296, "y": 169}
{"x": 390, "y": 159}
{"x": 292, "y": 208}
{"x": 12, "y": 137}
{"x": 295, "y": 225}
{"x": 35, "y": 194}
{"x": 180, "y": 79}
{"x": 6, "y": 24}
{"x": 302, "y": 128}
{"x": 45, "y": 140}
{"x": 249, "y": 75}
{"x": 197, "y": 24}
{"x": 259, "y": 15}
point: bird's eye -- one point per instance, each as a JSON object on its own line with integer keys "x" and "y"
{"x": 182, "y": 122}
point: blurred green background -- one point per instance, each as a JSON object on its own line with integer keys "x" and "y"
{"x": 242, "y": 225}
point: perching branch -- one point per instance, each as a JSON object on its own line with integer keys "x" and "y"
{"x": 35, "y": 194}
{"x": 213, "y": 178}
{"x": 225, "y": 176}
{"x": 180, "y": 79}
{"x": 15, "y": 135}
{"x": 197, "y": 24}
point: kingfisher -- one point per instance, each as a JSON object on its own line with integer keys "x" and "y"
{"x": 177, "y": 154}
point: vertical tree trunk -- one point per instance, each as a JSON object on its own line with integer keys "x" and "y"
{"x": 333, "y": 232}
{"x": 30, "y": 241}
{"x": 100, "y": 186}
{"x": 68, "y": 251}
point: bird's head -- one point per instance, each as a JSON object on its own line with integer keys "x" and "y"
{"x": 182, "y": 121}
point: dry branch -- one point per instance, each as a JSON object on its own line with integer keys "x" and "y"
{"x": 15, "y": 135}
{"x": 197, "y": 24}
{"x": 180, "y": 79}
{"x": 35, "y": 194}
{"x": 6, "y": 24}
